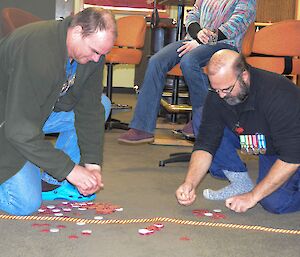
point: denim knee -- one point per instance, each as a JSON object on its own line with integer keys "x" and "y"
{"x": 154, "y": 62}
{"x": 26, "y": 205}
{"x": 187, "y": 62}
{"x": 107, "y": 105}
{"x": 273, "y": 205}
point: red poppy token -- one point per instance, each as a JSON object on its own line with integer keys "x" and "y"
{"x": 45, "y": 230}
{"x": 200, "y": 212}
{"x": 158, "y": 225}
{"x": 239, "y": 130}
{"x": 86, "y": 232}
{"x": 217, "y": 216}
{"x": 184, "y": 238}
{"x": 61, "y": 226}
{"x": 153, "y": 228}
{"x": 73, "y": 237}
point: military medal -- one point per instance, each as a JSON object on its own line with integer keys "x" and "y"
{"x": 243, "y": 144}
{"x": 253, "y": 144}
{"x": 262, "y": 143}
{"x": 250, "y": 146}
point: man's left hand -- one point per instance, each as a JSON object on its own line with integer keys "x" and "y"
{"x": 186, "y": 47}
{"x": 241, "y": 203}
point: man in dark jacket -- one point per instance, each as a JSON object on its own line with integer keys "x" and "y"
{"x": 51, "y": 74}
{"x": 255, "y": 111}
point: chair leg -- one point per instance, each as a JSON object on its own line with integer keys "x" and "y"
{"x": 177, "y": 157}
{"x": 112, "y": 123}
{"x": 175, "y": 97}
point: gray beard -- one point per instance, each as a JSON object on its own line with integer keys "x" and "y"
{"x": 241, "y": 97}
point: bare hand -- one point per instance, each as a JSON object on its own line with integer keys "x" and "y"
{"x": 241, "y": 203}
{"x": 186, "y": 194}
{"x": 186, "y": 47}
{"x": 204, "y": 35}
{"x": 94, "y": 168}
{"x": 87, "y": 180}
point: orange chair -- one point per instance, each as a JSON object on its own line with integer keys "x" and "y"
{"x": 12, "y": 18}
{"x": 247, "y": 43}
{"x": 127, "y": 50}
{"x": 276, "y": 48}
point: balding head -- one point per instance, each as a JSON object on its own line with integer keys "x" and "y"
{"x": 229, "y": 76}
{"x": 222, "y": 62}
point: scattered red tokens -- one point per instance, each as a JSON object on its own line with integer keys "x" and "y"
{"x": 215, "y": 214}
{"x": 151, "y": 229}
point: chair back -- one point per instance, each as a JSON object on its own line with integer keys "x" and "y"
{"x": 131, "y": 31}
{"x": 13, "y": 18}
{"x": 276, "y": 48}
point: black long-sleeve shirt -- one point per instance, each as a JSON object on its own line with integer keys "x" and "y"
{"x": 272, "y": 109}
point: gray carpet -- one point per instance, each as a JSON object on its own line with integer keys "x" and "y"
{"x": 134, "y": 181}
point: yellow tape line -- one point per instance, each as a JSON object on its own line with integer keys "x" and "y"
{"x": 157, "y": 219}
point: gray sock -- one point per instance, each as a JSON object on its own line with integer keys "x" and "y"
{"x": 240, "y": 184}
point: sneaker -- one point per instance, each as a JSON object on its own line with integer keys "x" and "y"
{"x": 134, "y": 136}
{"x": 66, "y": 192}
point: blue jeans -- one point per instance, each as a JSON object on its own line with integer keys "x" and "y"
{"x": 226, "y": 157}
{"x": 285, "y": 199}
{"x": 191, "y": 64}
{"x": 21, "y": 194}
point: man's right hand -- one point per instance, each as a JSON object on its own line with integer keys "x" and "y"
{"x": 186, "y": 194}
{"x": 86, "y": 181}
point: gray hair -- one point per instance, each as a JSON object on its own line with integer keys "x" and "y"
{"x": 95, "y": 19}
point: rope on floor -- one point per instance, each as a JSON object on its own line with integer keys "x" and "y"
{"x": 157, "y": 219}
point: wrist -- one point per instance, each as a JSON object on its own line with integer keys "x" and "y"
{"x": 198, "y": 41}
{"x": 255, "y": 196}
{"x": 190, "y": 182}
{"x": 92, "y": 166}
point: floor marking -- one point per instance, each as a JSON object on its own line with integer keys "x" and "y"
{"x": 156, "y": 219}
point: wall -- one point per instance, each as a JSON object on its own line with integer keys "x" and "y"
{"x": 41, "y": 8}
{"x": 276, "y": 10}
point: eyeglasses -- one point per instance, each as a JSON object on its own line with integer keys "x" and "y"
{"x": 227, "y": 90}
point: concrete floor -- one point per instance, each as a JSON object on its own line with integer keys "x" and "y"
{"x": 134, "y": 181}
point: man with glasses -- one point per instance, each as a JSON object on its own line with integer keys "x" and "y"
{"x": 257, "y": 112}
